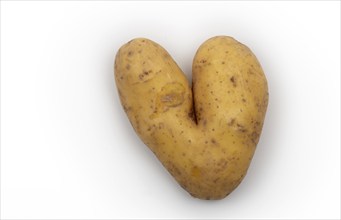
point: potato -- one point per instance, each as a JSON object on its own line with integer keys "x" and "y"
{"x": 207, "y": 139}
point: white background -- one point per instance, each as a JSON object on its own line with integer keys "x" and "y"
{"x": 68, "y": 150}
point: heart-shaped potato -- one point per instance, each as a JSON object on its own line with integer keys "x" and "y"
{"x": 205, "y": 138}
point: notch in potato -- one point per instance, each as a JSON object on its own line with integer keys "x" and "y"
{"x": 205, "y": 135}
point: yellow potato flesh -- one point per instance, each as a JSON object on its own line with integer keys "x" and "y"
{"x": 206, "y": 143}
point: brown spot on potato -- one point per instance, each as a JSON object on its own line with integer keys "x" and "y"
{"x": 126, "y": 109}
{"x": 233, "y": 80}
{"x": 222, "y": 163}
{"x": 254, "y": 136}
{"x": 231, "y": 122}
{"x": 244, "y": 100}
{"x": 216, "y": 179}
{"x": 241, "y": 128}
{"x": 120, "y": 93}
{"x": 128, "y": 67}
{"x": 257, "y": 124}
{"x": 196, "y": 172}
{"x": 173, "y": 169}
{"x": 130, "y": 53}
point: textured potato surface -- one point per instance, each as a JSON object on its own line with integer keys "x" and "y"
{"x": 205, "y": 137}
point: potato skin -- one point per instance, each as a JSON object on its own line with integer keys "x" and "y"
{"x": 207, "y": 149}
